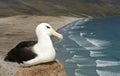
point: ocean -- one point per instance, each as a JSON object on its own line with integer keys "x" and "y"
{"x": 91, "y": 47}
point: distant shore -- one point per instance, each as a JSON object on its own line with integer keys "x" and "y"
{"x": 21, "y": 28}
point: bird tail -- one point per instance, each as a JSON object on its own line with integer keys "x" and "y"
{"x": 9, "y": 58}
{"x": 6, "y": 58}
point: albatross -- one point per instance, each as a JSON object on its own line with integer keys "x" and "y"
{"x": 35, "y": 52}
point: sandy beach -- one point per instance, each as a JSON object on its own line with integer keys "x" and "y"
{"x": 20, "y": 28}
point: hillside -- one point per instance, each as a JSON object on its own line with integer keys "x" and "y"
{"x": 60, "y": 7}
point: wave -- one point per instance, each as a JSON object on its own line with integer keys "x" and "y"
{"x": 107, "y": 73}
{"x": 76, "y": 58}
{"x": 69, "y": 49}
{"x": 97, "y": 42}
{"x": 96, "y": 54}
{"x": 77, "y": 27}
{"x": 77, "y": 40}
{"x": 82, "y": 34}
{"x": 71, "y": 52}
{"x": 103, "y": 63}
{"x": 90, "y": 43}
{"x": 81, "y": 21}
{"x": 87, "y": 65}
{"x": 71, "y": 32}
{"x": 78, "y": 24}
{"x": 77, "y": 73}
{"x": 82, "y": 27}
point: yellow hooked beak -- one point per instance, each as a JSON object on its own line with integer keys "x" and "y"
{"x": 54, "y": 33}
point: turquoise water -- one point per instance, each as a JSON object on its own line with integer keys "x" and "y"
{"x": 91, "y": 47}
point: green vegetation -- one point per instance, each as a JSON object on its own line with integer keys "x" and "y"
{"x": 84, "y": 8}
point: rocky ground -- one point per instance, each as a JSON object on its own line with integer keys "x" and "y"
{"x": 19, "y": 28}
{"x": 54, "y": 68}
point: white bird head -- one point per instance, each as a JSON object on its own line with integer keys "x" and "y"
{"x": 46, "y": 29}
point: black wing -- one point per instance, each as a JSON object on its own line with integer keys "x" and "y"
{"x": 22, "y": 52}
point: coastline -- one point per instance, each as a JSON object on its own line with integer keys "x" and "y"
{"x": 19, "y": 28}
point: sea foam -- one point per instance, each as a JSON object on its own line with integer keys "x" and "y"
{"x": 107, "y": 73}
{"x": 77, "y": 73}
{"x": 76, "y": 27}
{"x": 97, "y": 42}
{"x": 81, "y": 21}
{"x": 90, "y": 43}
{"x": 96, "y": 54}
{"x": 76, "y": 58}
{"x": 86, "y": 65}
{"x": 103, "y": 63}
{"x": 82, "y": 34}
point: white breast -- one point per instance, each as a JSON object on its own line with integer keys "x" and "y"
{"x": 43, "y": 55}
{"x": 44, "y": 52}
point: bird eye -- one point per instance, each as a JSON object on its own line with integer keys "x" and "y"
{"x": 48, "y": 27}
